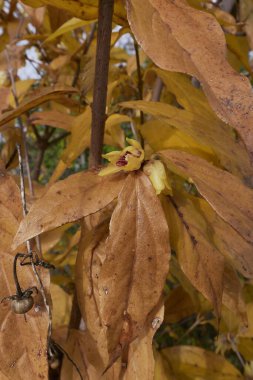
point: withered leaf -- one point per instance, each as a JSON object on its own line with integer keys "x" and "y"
{"x": 41, "y": 96}
{"x": 201, "y": 262}
{"x": 140, "y": 356}
{"x": 196, "y": 45}
{"x": 230, "y": 243}
{"x": 227, "y": 194}
{"x": 54, "y": 118}
{"x": 88, "y": 265}
{"x": 136, "y": 264}
{"x": 214, "y": 240}
{"x": 68, "y": 200}
{"x": 23, "y": 343}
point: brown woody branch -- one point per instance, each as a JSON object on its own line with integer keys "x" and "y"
{"x": 101, "y": 80}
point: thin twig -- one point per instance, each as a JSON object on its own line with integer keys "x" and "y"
{"x": 23, "y": 136}
{"x": 59, "y": 138}
{"x": 157, "y": 90}
{"x": 85, "y": 48}
{"x": 101, "y": 80}
{"x": 29, "y": 250}
{"x": 139, "y": 84}
{"x": 235, "y": 349}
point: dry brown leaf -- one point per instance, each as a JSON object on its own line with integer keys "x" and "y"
{"x": 68, "y": 200}
{"x": 227, "y": 195}
{"x": 75, "y": 345}
{"x": 38, "y": 97}
{"x": 23, "y": 343}
{"x": 198, "y": 258}
{"x": 196, "y": 220}
{"x": 88, "y": 264}
{"x": 231, "y": 244}
{"x": 136, "y": 265}
{"x": 196, "y": 45}
{"x": 54, "y": 118}
{"x": 141, "y": 364}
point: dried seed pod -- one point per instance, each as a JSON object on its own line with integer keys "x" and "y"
{"x": 22, "y": 305}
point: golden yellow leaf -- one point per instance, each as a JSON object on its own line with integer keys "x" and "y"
{"x": 246, "y": 13}
{"x": 84, "y": 9}
{"x": 222, "y": 190}
{"x": 68, "y": 26}
{"x": 38, "y": 97}
{"x": 245, "y": 347}
{"x": 239, "y": 46}
{"x": 196, "y": 46}
{"x": 23, "y": 343}
{"x": 68, "y": 200}
{"x": 137, "y": 256}
{"x": 21, "y": 86}
{"x": 179, "y": 305}
{"x": 205, "y": 129}
{"x": 79, "y": 140}
{"x": 171, "y": 138}
{"x": 114, "y": 135}
{"x": 190, "y": 362}
{"x": 232, "y": 295}
{"x": 163, "y": 369}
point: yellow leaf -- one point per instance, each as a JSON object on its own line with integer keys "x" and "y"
{"x": 171, "y": 138}
{"x": 114, "y": 135}
{"x": 84, "y": 9}
{"x": 68, "y": 26}
{"x": 22, "y": 86}
{"x": 79, "y": 140}
{"x": 205, "y": 129}
{"x": 179, "y": 305}
{"x": 190, "y": 362}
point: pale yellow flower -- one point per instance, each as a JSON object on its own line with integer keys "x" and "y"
{"x": 128, "y": 159}
{"x": 158, "y": 176}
